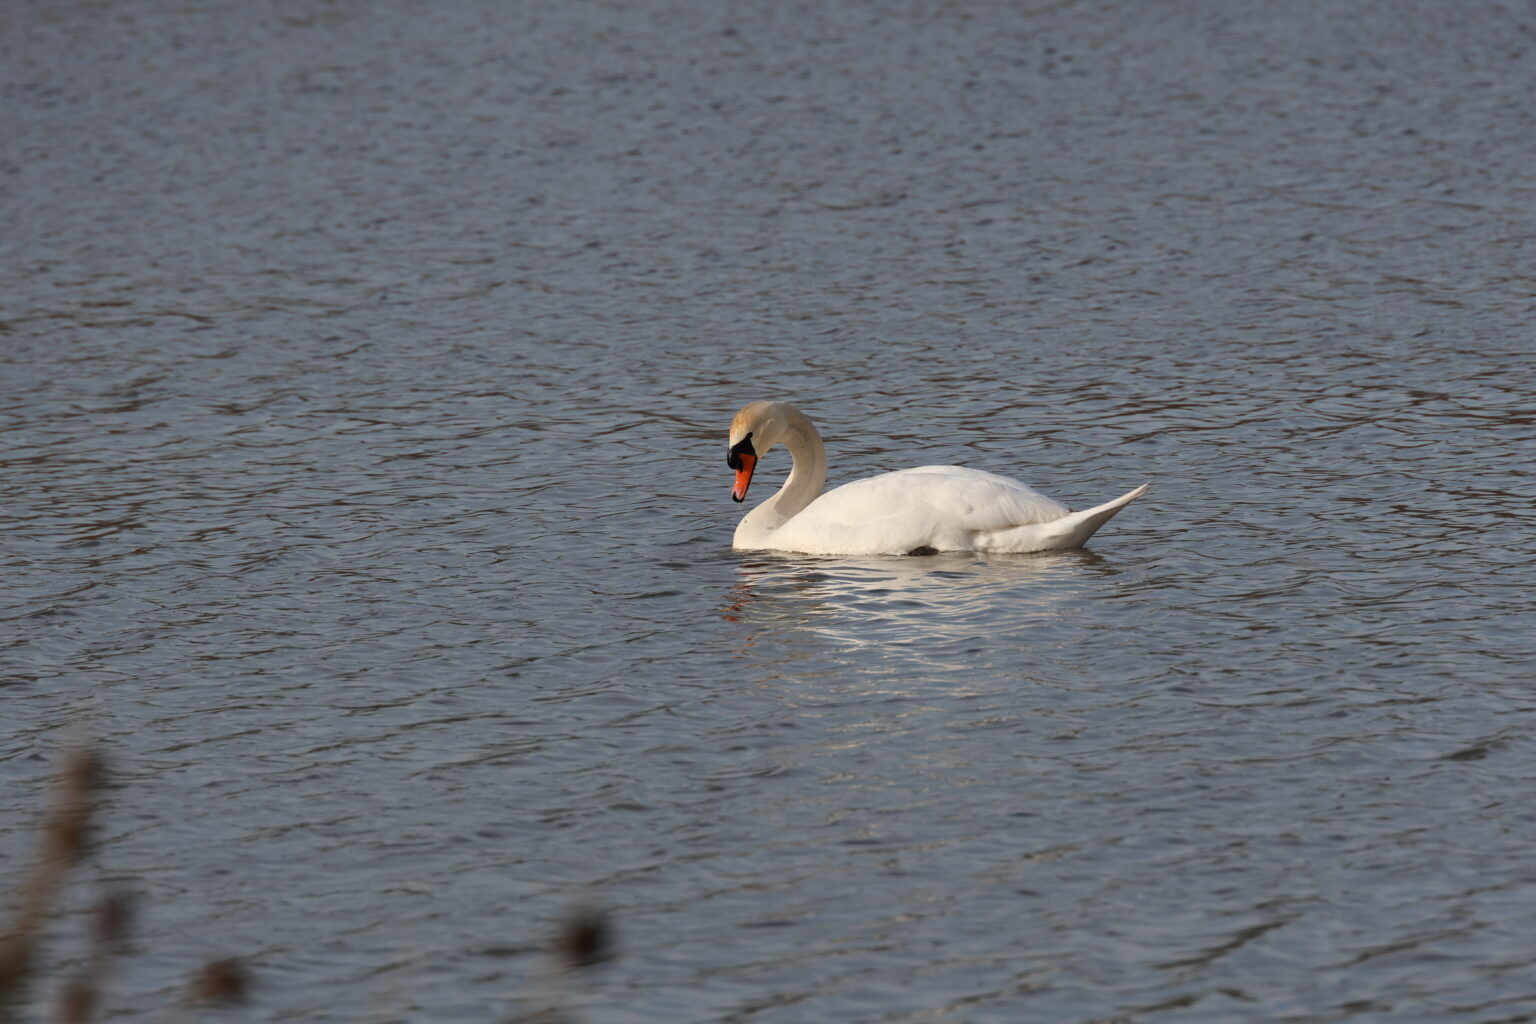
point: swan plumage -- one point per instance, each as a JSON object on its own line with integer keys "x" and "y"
{"x": 926, "y": 509}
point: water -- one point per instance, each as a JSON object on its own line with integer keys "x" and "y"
{"x": 365, "y": 380}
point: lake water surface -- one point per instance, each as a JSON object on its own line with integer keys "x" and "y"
{"x": 364, "y": 378}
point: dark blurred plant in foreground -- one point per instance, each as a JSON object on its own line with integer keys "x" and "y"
{"x": 64, "y": 842}
{"x": 585, "y": 938}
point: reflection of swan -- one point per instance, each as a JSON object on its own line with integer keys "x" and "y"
{"x": 908, "y": 609}
{"x": 912, "y": 511}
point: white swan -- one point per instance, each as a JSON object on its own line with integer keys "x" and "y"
{"x": 911, "y": 511}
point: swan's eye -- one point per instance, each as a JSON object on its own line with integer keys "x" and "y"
{"x": 740, "y": 448}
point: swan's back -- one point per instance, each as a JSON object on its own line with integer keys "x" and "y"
{"x": 944, "y": 508}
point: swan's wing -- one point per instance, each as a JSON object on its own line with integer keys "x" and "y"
{"x": 940, "y": 507}
{"x": 971, "y": 498}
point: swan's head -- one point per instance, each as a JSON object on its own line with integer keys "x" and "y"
{"x": 756, "y": 428}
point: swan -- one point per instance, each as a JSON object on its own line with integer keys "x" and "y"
{"x": 909, "y": 512}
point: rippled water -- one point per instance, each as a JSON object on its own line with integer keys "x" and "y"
{"x": 365, "y": 373}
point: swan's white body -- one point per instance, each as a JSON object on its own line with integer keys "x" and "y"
{"x": 931, "y": 508}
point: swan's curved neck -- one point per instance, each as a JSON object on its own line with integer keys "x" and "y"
{"x": 807, "y": 474}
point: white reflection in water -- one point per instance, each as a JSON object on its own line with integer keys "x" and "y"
{"x": 795, "y": 606}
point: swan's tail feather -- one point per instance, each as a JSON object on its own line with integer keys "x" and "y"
{"x": 1077, "y": 527}
{"x": 1070, "y": 531}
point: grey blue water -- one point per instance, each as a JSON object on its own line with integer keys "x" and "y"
{"x": 364, "y": 379}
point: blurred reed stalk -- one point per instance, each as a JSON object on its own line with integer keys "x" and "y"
{"x": 63, "y": 842}
{"x": 585, "y": 940}
{"x": 81, "y": 997}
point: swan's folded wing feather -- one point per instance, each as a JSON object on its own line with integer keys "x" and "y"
{"x": 941, "y": 507}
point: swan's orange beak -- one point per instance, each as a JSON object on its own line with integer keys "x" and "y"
{"x": 743, "y": 464}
